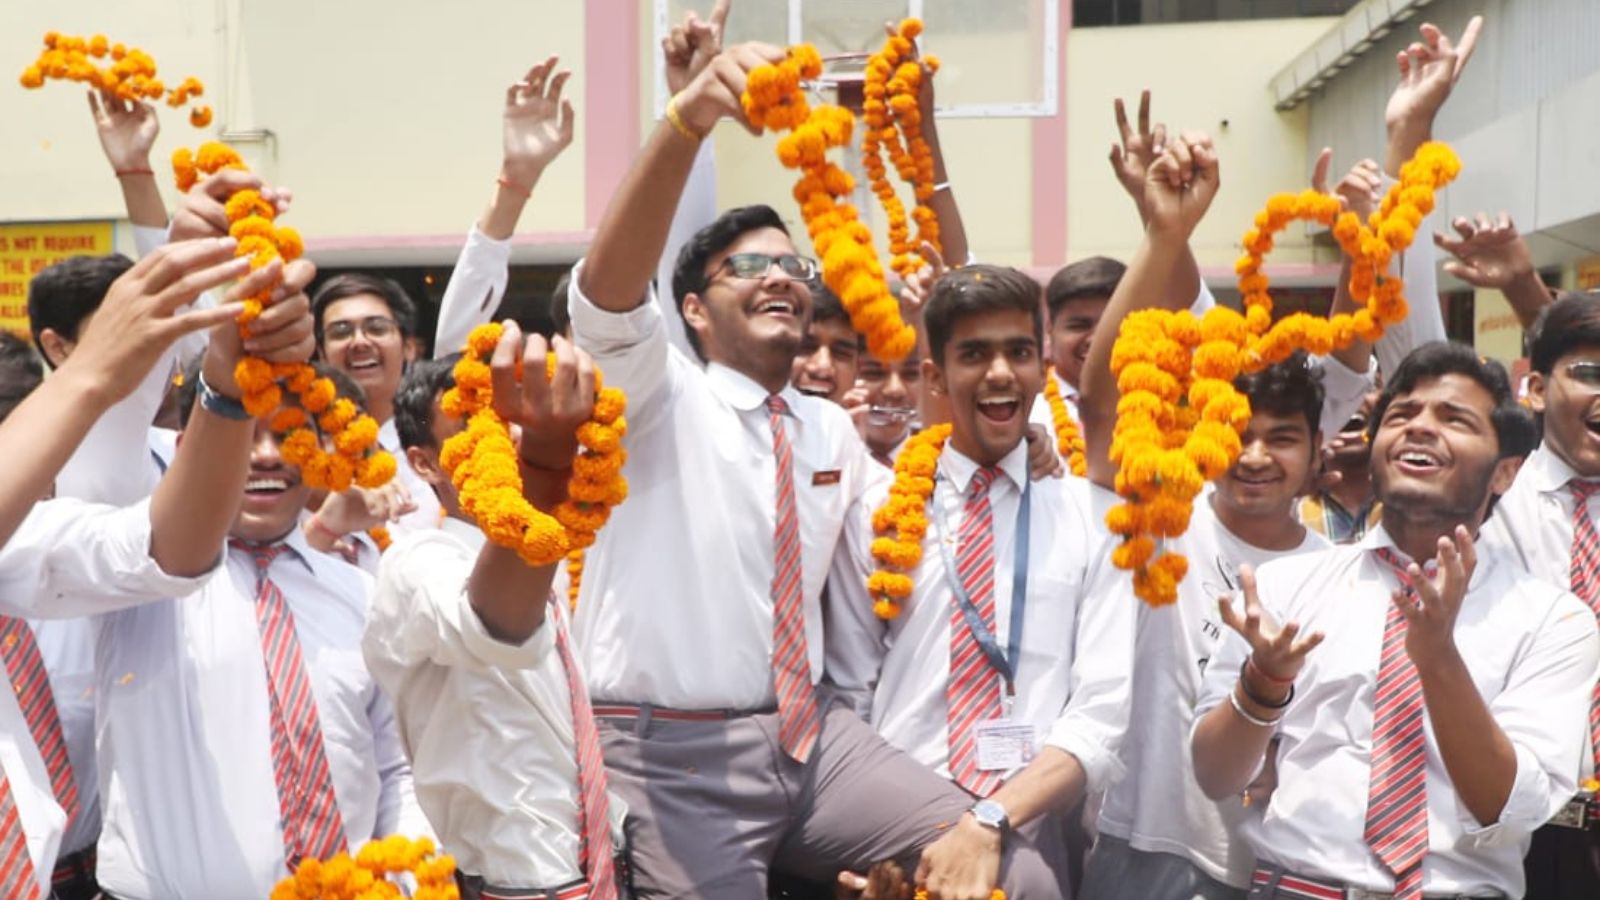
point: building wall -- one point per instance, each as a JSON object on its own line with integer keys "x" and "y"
{"x": 383, "y": 118}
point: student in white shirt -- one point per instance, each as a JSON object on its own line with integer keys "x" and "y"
{"x": 1159, "y": 836}
{"x": 1065, "y": 646}
{"x": 459, "y": 626}
{"x": 830, "y": 353}
{"x": 1427, "y": 719}
{"x": 728, "y": 758}
{"x": 1076, "y": 297}
{"x": 1536, "y": 524}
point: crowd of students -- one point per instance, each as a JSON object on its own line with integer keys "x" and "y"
{"x": 1378, "y": 678}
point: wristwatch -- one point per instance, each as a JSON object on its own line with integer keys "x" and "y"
{"x": 221, "y": 404}
{"x": 991, "y": 814}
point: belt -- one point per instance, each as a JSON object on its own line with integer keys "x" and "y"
{"x": 74, "y": 866}
{"x": 649, "y": 711}
{"x": 1279, "y": 883}
{"x": 475, "y": 888}
{"x": 1580, "y": 813}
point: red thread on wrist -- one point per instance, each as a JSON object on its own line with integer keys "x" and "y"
{"x": 508, "y": 184}
{"x": 1273, "y": 679}
{"x": 123, "y": 173}
{"x": 317, "y": 524}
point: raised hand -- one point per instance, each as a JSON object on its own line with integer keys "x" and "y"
{"x": 1361, "y": 188}
{"x": 1181, "y": 184}
{"x": 283, "y": 333}
{"x": 916, "y": 290}
{"x": 127, "y": 130}
{"x": 549, "y": 411}
{"x": 1429, "y": 70}
{"x": 1044, "y": 461}
{"x": 537, "y": 123}
{"x": 1488, "y": 253}
{"x": 1278, "y": 652}
{"x": 203, "y": 213}
{"x": 1431, "y": 612}
{"x": 1137, "y": 151}
{"x": 359, "y": 509}
{"x": 714, "y": 93}
{"x": 689, "y": 47}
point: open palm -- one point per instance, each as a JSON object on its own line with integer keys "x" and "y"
{"x": 537, "y": 122}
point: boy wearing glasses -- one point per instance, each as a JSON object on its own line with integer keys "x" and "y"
{"x": 1547, "y": 522}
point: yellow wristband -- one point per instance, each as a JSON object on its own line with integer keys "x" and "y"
{"x": 677, "y": 121}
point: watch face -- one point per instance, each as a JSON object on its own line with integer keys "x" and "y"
{"x": 990, "y": 813}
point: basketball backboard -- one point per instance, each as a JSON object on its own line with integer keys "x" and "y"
{"x": 998, "y": 58}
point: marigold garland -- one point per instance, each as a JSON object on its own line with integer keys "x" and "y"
{"x": 267, "y": 387}
{"x": 1069, "y": 439}
{"x": 774, "y": 100}
{"x": 482, "y": 463}
{"x": 1179, "y": 418}
{"x": 367, "y": 876}
{"x": 890, "y": 112}
{"x": 131, "y": 74}
{"x": 902, "y": 521}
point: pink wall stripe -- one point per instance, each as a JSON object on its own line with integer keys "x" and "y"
{"x": 610, "y": 99}
{"x": 452, "y": 241}
{"x": 1050, "y": 167}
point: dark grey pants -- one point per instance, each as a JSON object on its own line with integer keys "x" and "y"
{"x": 713, "y": 805}
{"x": 1116, "y": 871}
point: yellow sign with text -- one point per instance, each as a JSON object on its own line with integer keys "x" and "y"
{"x": 28, "y": 248}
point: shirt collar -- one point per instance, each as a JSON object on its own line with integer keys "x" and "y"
{"x": 1548, "y": 471}
{"x": 302, "y": 552}
{"x": 463, "y": 531}
{"x": 741, "y": 392}
{"x": 1377, "y": 538}
{"x": 960, "y": 468}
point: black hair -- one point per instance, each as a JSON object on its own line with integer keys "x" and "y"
{"x": 351, "y": 284}
{"x": 1514, "y": 427}
{"x": 1096, "y": 277}
{"x": 1289, "y": 388}
{"x": 190, "y": 386}
{"x": 413, "y": 402}
{"x": 825, "y": 304}
{"x": 978, "y": 289}
{"x": 20, "y": 372}
{"x": 689, "y": 274}
{"x": 1572, "y": 321}
{"x": 61, "y": 296}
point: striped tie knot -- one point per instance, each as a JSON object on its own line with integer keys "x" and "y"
{"x": 777, "y": 406}
{"x": 982, "y": 480}
{"x": 1401, "y": 567}
{"x": 263, "y": 554}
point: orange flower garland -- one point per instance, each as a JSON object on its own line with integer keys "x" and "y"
{"x": 1179, "y": 419}
{"x": 850, "y": 266}
{"x": 482, "y": 462}
{"x": 367, "y": 876}
{"x": 902, "y": 521}
{"x": 266, "y": 386}
{"x": 893, "y": 80}
{"x": 1069, "y": 439}
{"x": 131, "y": 74}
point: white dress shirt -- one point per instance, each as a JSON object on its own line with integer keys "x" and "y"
{"x": 487, "y": 724}
{"x": 1077, "y": 628}
{"x": 686, "y": 563}
{"x": 188, "y": 793}
{"x": 1532, "y": 650}
{"x": 426, "y": 516}
{"x": 476, "y": 287}
{"x": 1159, "y": 807}
{"x": 1532, "y": 522}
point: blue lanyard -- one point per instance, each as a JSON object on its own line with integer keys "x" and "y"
{"x": 1005, "y": 664}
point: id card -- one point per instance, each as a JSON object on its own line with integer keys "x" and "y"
{"x": 1003, "y": 744}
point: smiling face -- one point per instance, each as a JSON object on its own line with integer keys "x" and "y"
{"x": 752, "y": 325}
{"x": 361, "y": 337}
{"x": 828, "y": 360}
{"x": 1435, "y": 454}
{"x": 1071, "y": 327}
{"x": 892, "y": 391}
{"x": 273, "y": 494}
{"x": 1569, "y": 399}
{"x": 1273, "y": 468}
{"x": 991, "y": 371}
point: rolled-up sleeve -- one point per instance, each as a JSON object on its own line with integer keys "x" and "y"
{"x": 631, "y": 348}
{"x": 421, "y": 613}
{"x": 1543, "y": 712}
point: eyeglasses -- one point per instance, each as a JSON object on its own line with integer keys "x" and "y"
{"x": 375, "y": 327}
{"x": 1585, "y": 373}
{"x": 757, "y": 265}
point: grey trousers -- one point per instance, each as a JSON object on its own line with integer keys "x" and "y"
{"x": 713, "y": 805}
{"x": 1116, "y": 871}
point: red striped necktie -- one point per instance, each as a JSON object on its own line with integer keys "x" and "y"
{"x": 312, "y": 826}
{"x": 1585, "y": 574}
{"x": 25, "y": 669}
{"x": 1397, "y": 792}
{"x": 798, "y": 720}
{"x": 18, "y": 881}
{"x": 972, "y": 693}
{"x": 596, "y": 854}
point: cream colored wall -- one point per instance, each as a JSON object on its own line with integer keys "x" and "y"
{"x": 385, "y": 114}
{"x": 1199, "y": 76}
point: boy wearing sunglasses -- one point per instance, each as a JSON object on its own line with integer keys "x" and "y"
{"x": 1547, "y": 522}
